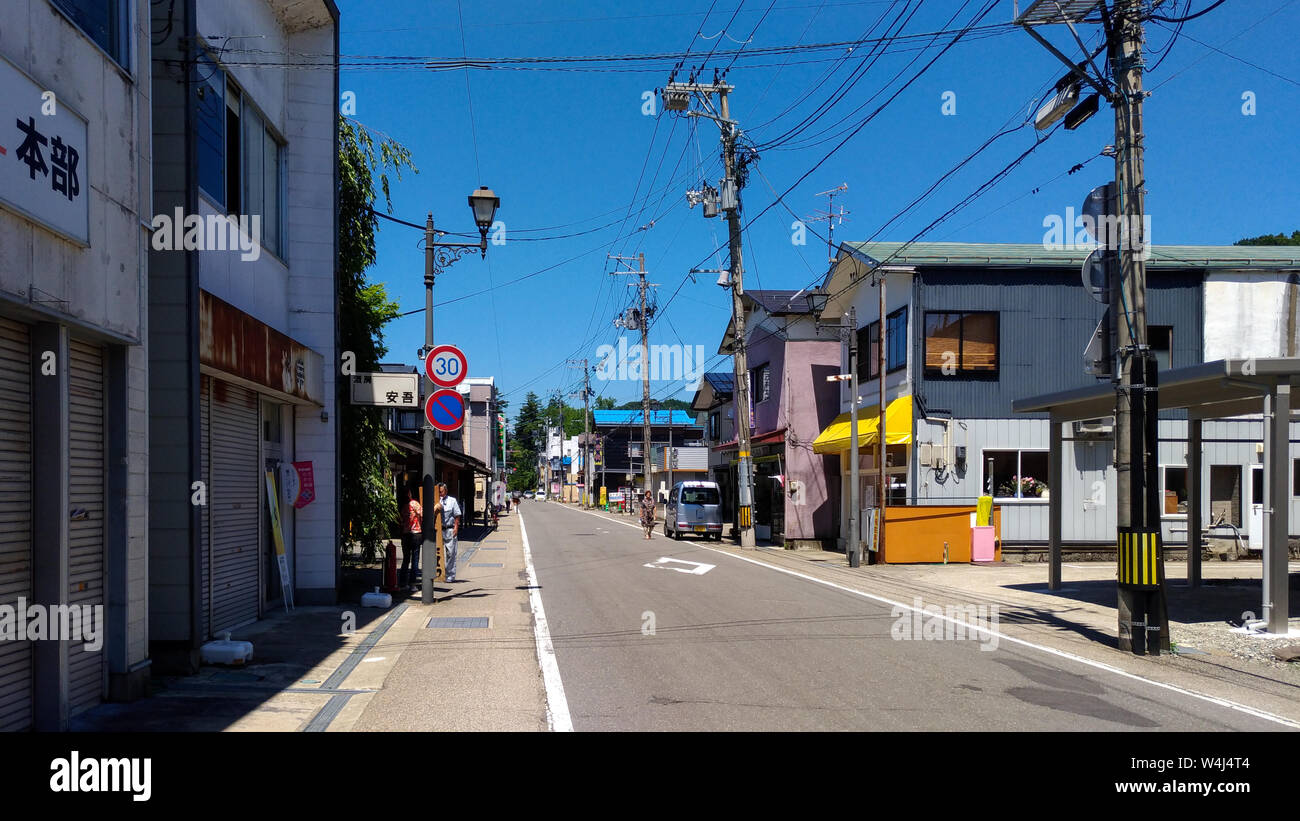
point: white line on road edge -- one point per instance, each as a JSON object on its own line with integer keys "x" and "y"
{"x": 557, "y": 707}
{"x": 1232, "y": 705}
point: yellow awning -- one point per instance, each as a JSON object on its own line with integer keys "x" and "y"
{"x": 838, "y": 436}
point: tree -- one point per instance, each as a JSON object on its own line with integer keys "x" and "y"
{"x": 368, "y": 506}
{"x": 1271, "y": 239}
{"x": 527, "y": 441}
{"x": 604, "y": 403}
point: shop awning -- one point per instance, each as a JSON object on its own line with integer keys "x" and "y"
{"x": 838, "y": 435}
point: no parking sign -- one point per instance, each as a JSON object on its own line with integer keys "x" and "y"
{"x": 445, "y": 410}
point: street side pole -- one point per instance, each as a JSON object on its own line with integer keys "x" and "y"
{"x": 882, "y": 335}
{"x": 855, "y": 505}
{"x": 431, "y": 533}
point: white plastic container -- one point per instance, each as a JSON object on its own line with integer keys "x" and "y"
{"x": 376, "y": 599}
{"x": 225, "y": 651}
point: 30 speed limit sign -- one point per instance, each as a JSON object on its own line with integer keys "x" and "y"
{"x": 446, "y": 366}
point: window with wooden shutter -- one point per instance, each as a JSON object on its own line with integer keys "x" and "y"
{"x": 961, "y": 342}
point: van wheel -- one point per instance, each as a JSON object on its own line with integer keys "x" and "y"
{"x": 666, "y": 533}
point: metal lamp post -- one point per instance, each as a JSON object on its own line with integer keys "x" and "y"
{"x": 817, "y": 300}
{"x": 437, "y": 256}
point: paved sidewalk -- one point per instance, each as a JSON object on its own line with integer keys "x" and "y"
{"x": 310, "y": 673}
{"x": 1081, "y": 619}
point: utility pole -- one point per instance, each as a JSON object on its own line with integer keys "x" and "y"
{"x": 1143, "y": 621}
{"x": 644, "y": 323}
{"x": 677, "y": 97}
{"x": 848, "y": 329}
{"x": 586, "y": 431}
{"x": 882, "y": 449}
{"x": 1143, "y": 626}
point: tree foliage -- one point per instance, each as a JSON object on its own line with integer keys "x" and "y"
{"x": 527, "y": 441}
{"x": 1271, "y": 239}
{"x": 369, "y": 507}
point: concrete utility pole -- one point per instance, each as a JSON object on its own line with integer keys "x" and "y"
{"x": 644, "y": 322}
{"x": 677, "y": 97}
{"x": 1142, "y": 612}
{"x": 882, "y": 450}
{"x": 848, "y": 330}
{"x": 586, "y": 431}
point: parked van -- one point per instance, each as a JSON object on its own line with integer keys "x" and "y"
{"x": 694, "y": 507}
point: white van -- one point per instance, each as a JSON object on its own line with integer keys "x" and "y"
{"x": 694, "y": 507}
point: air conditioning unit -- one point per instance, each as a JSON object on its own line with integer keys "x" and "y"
{"x": 1095, "y": 428}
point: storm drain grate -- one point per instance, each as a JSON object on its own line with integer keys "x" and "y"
{"x": 488, "y": 564}
{"x": 491, "y": 548}
{"x": 448, "y": 622}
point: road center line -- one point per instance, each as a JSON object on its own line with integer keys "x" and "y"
{"x": 557, "y": 707}
{"x": 1001, "y": 636}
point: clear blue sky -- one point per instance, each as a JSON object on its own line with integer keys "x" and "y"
{"x": 567, "y": 148}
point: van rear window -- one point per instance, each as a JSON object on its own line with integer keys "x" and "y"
{"x": 700, "y": 496}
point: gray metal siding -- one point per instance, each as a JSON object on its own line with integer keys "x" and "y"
{"x": 235, "y": 510}
{"x": 87, "y": 670}
{"x": 1045, "y": 320}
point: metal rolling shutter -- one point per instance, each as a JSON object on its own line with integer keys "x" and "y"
{"x": 205, "y": 513}
{"x": 233, "y": 496}
{"x": 15, "y": 518}
{"x": 87, "y": 671}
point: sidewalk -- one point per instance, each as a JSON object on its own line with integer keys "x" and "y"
{"x": 1081, "y": 619}
{"x": 391, "y": 672}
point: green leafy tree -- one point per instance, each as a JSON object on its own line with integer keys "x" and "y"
{"x": 369, "y": 507}
{"x": 1271, "y": 239}
{"x": 605, "y": 403}
{"x": 528, "y": 440}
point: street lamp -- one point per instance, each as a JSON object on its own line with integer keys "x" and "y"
{"x": 818, "y": 298}
{"x": 437, "y": 256}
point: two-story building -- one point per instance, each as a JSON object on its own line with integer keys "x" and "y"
{"x": 791, "y": 401}
{"x": 972, "y": 327}
{"x": 620, "y": 462}
{"x": 75, "y": 148}
{"x": 243, "y": 389}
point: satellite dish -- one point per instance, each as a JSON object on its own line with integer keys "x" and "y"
{"x": 1096, "y": 206}
{"x": 1096, "y": 279}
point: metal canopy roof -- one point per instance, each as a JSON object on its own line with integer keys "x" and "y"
{"x": 1210, "y": 390}
{"x": 1029, "y": 255}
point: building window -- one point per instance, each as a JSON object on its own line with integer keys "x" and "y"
{"x": 713, "y": 426}
{"x": 1225, "y": 494}
{"x": 103, "y": 21}
{"x": 1295, "y": 477}
{"x": 957, "y": 343}
{"x": 1015, "y": 474}
{"x": 1175, "y": 498}
{"x": 1161, "y": 340}
{"x": 241, "y": 163}
{"x": 762, "y": 384}
{"x": 868, "y": 351}
{"x": 896, "y": 341}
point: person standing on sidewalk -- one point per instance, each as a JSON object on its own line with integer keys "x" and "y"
{"x": 412, "y": 537}
{"x": 648, "y": 513}
{"x": 449, "y": 514}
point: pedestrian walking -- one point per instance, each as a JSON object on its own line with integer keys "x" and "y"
{"x": 648, "y": 513}
{"x": 412, "y": 516}
{"x": 449, "y": 513}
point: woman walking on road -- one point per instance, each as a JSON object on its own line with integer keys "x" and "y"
{"x": 648, "y": 513}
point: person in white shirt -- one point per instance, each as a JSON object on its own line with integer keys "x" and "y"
{"x": 450, "y": 513}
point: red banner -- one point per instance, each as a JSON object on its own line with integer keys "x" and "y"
{"x": 306, "y": 484}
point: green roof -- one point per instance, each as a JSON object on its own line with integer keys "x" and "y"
{"x": 1024, "y": 255}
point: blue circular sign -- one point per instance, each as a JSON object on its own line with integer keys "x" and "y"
{"x": 445, "y": 410}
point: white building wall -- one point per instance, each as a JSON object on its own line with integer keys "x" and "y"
{"x": 1250, "y": 313}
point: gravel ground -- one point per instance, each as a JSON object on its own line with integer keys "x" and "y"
{"x": 1218, "y": 639}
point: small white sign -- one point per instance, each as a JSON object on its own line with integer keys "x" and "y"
{"x": 389, "y": 390}
{"x": 690, "y": 568}
{"x": 43, "y": 157}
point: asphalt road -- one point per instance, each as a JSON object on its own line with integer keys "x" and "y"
{"x": 742, "y": 647}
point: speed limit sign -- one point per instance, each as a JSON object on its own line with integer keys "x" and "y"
{"x": 446, "y": 366}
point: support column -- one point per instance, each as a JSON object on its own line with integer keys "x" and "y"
{"x": 1054, "y": 484}
{"x": 1194, "y": 510}
{"x": 49, "y": 344}
{"x": 1277, "y": 456}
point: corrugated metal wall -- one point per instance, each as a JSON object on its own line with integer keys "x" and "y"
{"x": 1045, "y": 322}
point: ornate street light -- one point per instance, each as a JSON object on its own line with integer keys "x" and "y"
{"x": 817, "y": 299}
{"x": 484, "y": 205}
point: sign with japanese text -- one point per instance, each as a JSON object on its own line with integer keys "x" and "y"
{"x": 43, "y": 149}
{"x": 390, "y": 390}
{"x": 300, "y": 485}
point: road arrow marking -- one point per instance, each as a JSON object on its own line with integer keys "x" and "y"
{"x": 696, "y": 568}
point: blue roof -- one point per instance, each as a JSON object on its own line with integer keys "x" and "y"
{"x": 615, "y": 418}
{"x": 722, "y": 381}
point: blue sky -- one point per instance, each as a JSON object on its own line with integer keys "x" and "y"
{"x": 565, "y": 150}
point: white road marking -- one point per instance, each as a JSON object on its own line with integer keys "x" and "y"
{"x": 696, "y": 568}
{"x": 373, "y": 658}
{"x": 557, "y": 706}
{"x": 1232, "y": 705}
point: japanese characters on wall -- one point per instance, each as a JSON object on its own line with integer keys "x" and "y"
{"x": 43, "y": 166}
